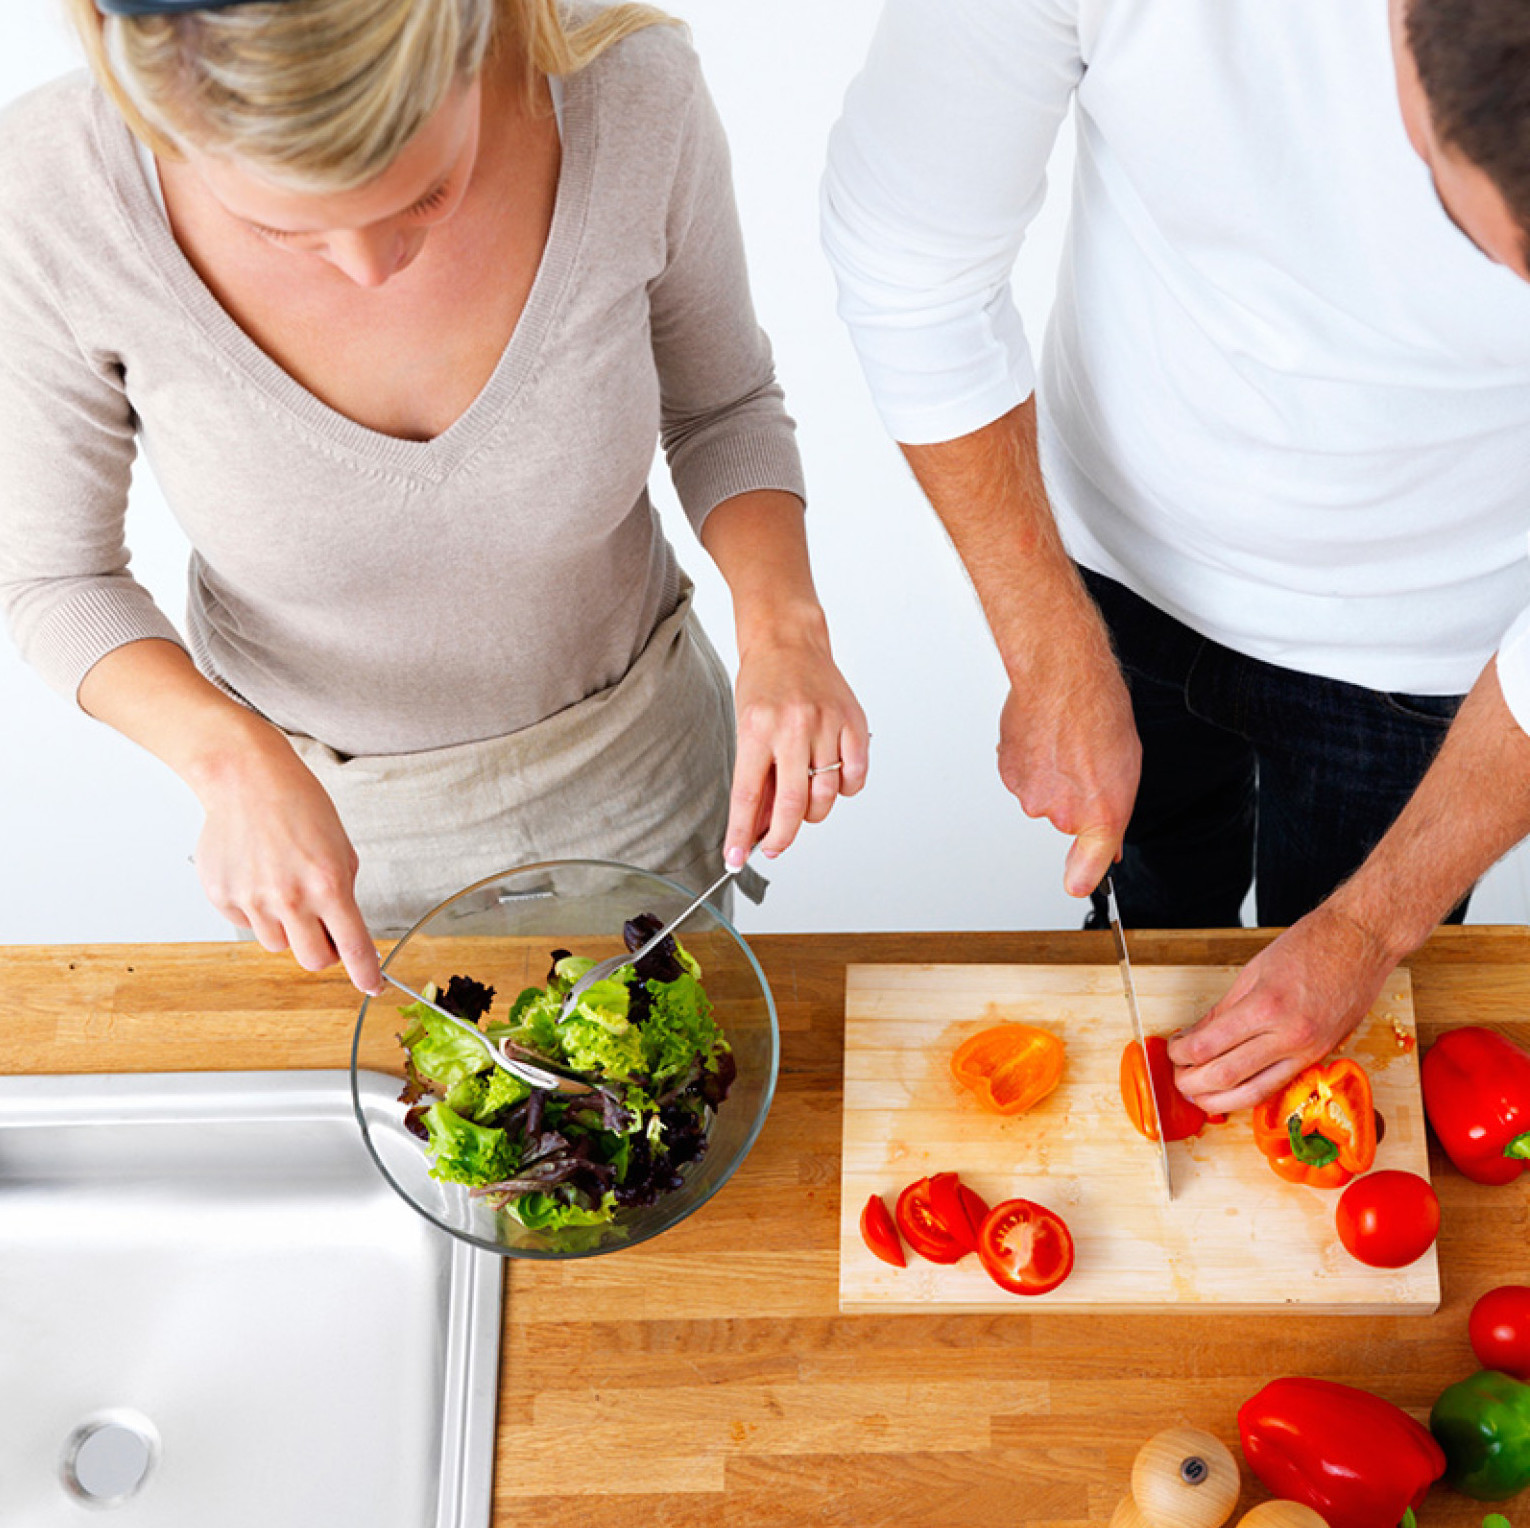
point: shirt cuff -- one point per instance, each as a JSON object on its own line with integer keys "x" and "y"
{"x": 1513, "y": 662}
{"x": 739, "y": 462}
{"x": 89, "y": 624}
{"x": 936, "y": 381}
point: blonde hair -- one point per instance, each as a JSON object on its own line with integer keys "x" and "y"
{"x": 321, "y": 95}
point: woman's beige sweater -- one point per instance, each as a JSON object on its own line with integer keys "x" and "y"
{"x": 381, "y": 595}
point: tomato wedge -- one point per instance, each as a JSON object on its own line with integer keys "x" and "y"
{"x": 1025, "y": 1247}
{"x": 958, "y": 1208}
{"x": 879, "y": 1233}
{"x": 926, "y": 1230}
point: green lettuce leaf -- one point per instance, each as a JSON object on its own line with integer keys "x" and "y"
{"x": 544, "y": 1212}
{"x": 441, "y": 1051}
{"x": 487, "y": 1094}
{"x": 463, "y": 1152}
{"x": 679, "y": 1029}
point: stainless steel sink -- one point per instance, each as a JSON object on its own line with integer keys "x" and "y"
{"x": 214, "y": 1311}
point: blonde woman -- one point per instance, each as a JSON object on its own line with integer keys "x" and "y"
{"x": 398, "y": 296}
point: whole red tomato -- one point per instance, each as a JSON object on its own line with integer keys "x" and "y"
{"x": 1499, "y": 1329}
{"x": 1388, "y": 1219}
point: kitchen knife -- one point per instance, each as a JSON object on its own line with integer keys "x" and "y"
{"x": 1123, "y": 960}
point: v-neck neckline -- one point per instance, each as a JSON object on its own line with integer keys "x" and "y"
{"x": 437, "y": 457}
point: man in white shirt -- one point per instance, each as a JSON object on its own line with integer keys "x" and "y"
{"x": 1280, "y": 441}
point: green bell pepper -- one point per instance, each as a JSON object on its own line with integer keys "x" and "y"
{"x": 1483, "y": 1425}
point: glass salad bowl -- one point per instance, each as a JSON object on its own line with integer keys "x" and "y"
{"x": 587, "y": 1174}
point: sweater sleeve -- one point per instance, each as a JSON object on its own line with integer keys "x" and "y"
{"x": 723, "y": 424}
{"x": 66, "y": 454}
{"x": 935, "y": 170}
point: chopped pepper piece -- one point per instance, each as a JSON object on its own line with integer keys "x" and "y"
{"x": 1182, "y": 1119}
{"x": 1477, "y": 1097}
{"x": 1354, "y": 1458}
{"x": 1010, "y": 1067}
{"x": 1483, "y": 1424}
{"x": 1320, "y": 1129}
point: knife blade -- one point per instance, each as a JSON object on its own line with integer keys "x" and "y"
{"x": 1123, "y": 960}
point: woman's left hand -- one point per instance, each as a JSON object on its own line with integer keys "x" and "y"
{"x": 802, "y": 741}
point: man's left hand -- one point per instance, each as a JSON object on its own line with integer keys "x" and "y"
{"x": 1290, "y": 1005}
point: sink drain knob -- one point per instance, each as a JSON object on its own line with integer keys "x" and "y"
{"x": 108, "y": 1458}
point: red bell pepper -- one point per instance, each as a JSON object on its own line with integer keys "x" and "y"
{"x": 1477, "y": 1097}
{"x": 1354, "y": 1458}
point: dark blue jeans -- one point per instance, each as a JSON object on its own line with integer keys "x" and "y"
{"x": 1252, "y": 774}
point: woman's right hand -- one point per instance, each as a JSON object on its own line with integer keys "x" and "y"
{"x": 274, "y": 858}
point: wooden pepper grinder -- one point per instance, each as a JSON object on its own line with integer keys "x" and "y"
{"x": 1282, "y": 1514}
{"x": 1182, "y": 1478}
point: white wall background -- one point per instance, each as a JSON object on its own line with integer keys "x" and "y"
{"x": 95, "y": 836}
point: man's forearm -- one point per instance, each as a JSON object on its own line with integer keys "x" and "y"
{"x": 987, "y": 489}
{"x": 1068, "y": 748}
{"x": 1469, "y": 810}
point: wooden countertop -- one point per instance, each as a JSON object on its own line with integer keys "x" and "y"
{"x": 708, "y": 1378}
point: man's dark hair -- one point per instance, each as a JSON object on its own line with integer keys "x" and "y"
{"x": 1473, "y": 59}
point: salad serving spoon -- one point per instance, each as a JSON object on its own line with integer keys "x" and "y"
{"x": 537, "y": 1074}
{"x": 602, "y": 969}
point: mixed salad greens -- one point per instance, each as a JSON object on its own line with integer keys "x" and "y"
{"x": 645, "y": 1039}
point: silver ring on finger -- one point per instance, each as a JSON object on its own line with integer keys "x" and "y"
{"x": 824, "y": 769}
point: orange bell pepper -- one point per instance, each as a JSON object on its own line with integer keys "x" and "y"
{"x": 1182, "y": 1119}
{"x": 1010, "y": 1067}
{"x": 1320, "y": 1128}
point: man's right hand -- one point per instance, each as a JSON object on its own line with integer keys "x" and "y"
{"x": 1069, "y": 751}
{"x": 1068, "y": 746}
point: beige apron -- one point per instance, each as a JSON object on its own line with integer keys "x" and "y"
{"x": 638, "y": 773}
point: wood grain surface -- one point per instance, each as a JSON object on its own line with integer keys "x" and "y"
{"x": 1235, "y": 1235}
{"x": 708, "y": 1378}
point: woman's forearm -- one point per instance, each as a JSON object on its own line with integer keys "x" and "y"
{"x": 759, "y": 542}
{"x": 273, "y": 856}
{"x": 151, "y": 692}
{"x": 802, "y": 739}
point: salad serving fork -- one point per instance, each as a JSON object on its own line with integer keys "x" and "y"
{"x": 538, "y": 1074}
{"x": 604, "y": 968}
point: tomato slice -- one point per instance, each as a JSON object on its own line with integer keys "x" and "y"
{"x": 879, "y": 1233}
{"x": 976, "y": 1209}
{"x": 1025, "y": 1247}
{"x": 949, "y": 1207}
{"x": 924, "y": 1229}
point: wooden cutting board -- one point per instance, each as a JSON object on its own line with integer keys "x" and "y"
{"x": 1236, "y": 1236}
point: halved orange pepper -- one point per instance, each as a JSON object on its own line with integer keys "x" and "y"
{"x": 1321, "y": 1127}
{"x": 1010, "y": 1067}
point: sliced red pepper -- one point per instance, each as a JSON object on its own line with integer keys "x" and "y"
{"x": 1477, "y": 1097}
{"x": 1025, "y": 1247}
{"x": 879, "y": 1233}
{"x": 1320, "y": 1129}
{"x": 1183, "y": 1119}
{"x": 926, "y": 1231}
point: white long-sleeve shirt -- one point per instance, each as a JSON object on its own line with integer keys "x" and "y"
{"x": 1281, "y": 396}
